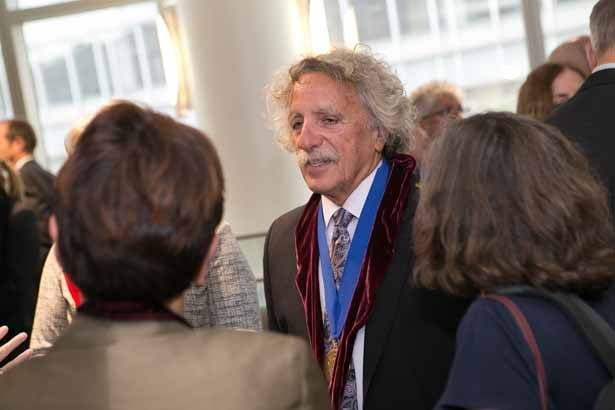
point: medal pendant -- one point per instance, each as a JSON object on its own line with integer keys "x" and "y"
{"x": 330, "y": 360}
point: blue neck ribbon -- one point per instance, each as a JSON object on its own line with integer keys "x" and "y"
{"x": 338, "y": 302}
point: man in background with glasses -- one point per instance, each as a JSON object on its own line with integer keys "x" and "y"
{"x": 436, "y": 104}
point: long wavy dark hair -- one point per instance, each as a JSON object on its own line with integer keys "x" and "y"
{"x": 507, "y": 200}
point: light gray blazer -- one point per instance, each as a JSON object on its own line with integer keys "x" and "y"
{"x": 228, "y": 298}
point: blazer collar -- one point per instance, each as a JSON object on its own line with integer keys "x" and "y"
{"x": 87, "y": 331}
{"x": 602, "y": 77}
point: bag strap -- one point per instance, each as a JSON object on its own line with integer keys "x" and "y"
{"x": 592, "y": 326}
{"x": 528, "y": 335}
{"x": 589, "y": 323}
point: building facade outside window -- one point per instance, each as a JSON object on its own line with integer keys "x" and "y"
{"x": 480, "y": 45}
{"x": 80, "y": 61}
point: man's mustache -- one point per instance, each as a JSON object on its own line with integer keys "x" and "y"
{"x": 316, "y": 156}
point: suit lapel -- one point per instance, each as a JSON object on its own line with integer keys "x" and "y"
{"x": 388, "y": 298}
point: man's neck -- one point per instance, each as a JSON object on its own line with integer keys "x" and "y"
{"x": 20, "y": 159}
{"x": 607, "y": 57}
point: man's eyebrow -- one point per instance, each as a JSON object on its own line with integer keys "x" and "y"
{"x": 328, "y": 111}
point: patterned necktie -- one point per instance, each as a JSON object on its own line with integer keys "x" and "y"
{"x": 340, "y": 243}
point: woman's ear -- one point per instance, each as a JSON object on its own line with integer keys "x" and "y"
{"x": 53, "y": 228}
{"x": 201, "y": 276}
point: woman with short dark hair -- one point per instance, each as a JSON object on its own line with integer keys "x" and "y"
{"x": 138, "y": 203}
{"x": 506, "y": 201}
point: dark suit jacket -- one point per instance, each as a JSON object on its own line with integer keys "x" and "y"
{"x": 588, "y": 119}
{"x": 409, "y": 336}
{"x": 19, "y": 264}
{"x": 165, "y": 365}
{"x": 39, "y": 197}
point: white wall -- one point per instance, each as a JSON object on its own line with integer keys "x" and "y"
{"x": 234, "y": 47}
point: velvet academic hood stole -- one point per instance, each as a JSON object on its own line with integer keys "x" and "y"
{"x": 379, "y": 254}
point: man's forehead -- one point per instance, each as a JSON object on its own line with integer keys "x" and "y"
{"x": 330, "y": 93}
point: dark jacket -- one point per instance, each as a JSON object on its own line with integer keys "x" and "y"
{"x": 587, "y": 118}
{"x": 39, "y": 197}
{"x": 20, "y": 253}
{"x": 409, "y": 336}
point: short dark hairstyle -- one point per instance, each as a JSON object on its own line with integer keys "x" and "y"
{"x": 138, "y": 203}
{"x": 507, "y": 200}
{"x": 23, "y": 130}
{"x": 535, "y": 95}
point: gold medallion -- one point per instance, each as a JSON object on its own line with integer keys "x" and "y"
{"x": 330, "y": 360}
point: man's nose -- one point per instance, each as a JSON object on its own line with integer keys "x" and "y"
{"x": 308, "y": 137}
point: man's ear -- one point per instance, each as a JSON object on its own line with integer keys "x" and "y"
{"x": 201, "y": 276}
{"x": 590, "y": 54}
{"x": 19, "y": 143}
{"x": 379, "y": 141}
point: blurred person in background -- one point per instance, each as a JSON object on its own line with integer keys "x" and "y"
{"x": 516, "y": 205}
{"x": 19, "y": 248}
{"x": 17, "y": 143}
{"x": 436, "y": 104}
{"x": 228, "y": 300}
{"x": 576, "y": 53}
{"x": 134, "y": 230}
{"x": 587, "y": 118}
{"x": 546, "y": 88}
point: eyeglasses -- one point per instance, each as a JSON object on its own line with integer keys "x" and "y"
{"x": 451, "y": 112}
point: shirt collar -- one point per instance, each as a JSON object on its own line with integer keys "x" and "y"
{"x": 23, "y": 161}
{"x": 354, "y": 203}
{"x": 605, "y": 66}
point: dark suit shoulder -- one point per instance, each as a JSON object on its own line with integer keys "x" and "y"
{"x": 287, "y": 221}
{"x": 284, "y": 309}
{"x": 33, "y": 169}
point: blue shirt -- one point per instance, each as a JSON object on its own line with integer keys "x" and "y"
{"x": 494, "y": 368}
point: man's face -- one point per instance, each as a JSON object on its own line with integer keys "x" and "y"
{"x": 5, "y": 145}
{"x": 446, "y": 109}
{"x": 335, "y": 147}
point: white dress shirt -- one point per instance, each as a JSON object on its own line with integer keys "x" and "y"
{"x": 354, "y": 204}
{"x": 603, "y": 67}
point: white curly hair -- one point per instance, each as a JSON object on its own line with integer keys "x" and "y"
{"x": 380, "y": 90}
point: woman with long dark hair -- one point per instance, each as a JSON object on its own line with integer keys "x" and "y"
{"x": 509, "y": 201}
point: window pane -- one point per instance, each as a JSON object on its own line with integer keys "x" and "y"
{"x": 334, "y": 21}
{"x": 413, "y": 16}
{"x": 473, "y": 12}
{"x": 129, "y": 71}
{"x": 26, "y": 4}
{"x": 55, "y": 78}
{"x": 79, "y": 62}
{"x": 87, "y": 73}
{"x": 5, "y": 107}
{"x": 154, "y": 57}
{"x": 478, "y": 45}
{"x": 564, "y": 19}
{"x": 372, "y": 19}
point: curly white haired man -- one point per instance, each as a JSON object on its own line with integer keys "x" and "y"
{"x": 337, "y": 269}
